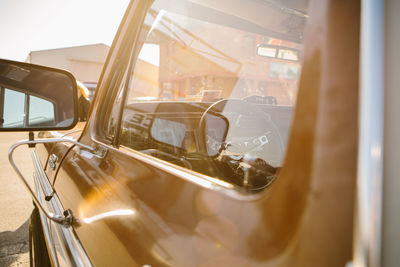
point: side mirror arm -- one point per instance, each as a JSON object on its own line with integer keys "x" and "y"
{"x": 66, "y": 219}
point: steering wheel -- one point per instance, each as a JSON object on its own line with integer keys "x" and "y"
{"x": 241, "y": 144}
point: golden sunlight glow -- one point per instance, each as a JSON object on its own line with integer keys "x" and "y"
{"x": 105, "y": 201}
{"x": 104, "y": 215}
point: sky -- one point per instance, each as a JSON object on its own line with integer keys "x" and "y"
{"x": 31, "y": 25}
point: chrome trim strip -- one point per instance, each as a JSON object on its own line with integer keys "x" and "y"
{"x": 368, "y": 212}
{"x": 46, "y": 187}
{"x": 46, "y": 228}
{"x": 71, "y": 243}
{"x": 66, "y": 235}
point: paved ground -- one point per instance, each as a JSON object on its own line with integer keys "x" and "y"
{"x": 15, "y": 204}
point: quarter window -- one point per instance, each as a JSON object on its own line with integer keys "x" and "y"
{"x": 213, "y": 89}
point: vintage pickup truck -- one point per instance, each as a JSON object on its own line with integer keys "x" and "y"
{"x": 221, "y": 133}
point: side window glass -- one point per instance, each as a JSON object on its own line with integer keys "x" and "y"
{"x": 213, "y": 89}
{"x": 14, "y": 108}
{"x": 21, "y": 109}
{"x": 40, "y": 110}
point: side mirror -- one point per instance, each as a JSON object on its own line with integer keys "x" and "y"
{"x": 36, "y": 98}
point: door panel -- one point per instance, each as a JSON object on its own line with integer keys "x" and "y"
{"x": 133, "y": 214}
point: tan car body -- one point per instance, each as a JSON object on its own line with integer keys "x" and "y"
{"x": 304, "y": 219}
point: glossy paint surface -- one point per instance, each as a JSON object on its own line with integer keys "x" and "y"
{"x": 130, "y": 213}
{"x": 155, "y": 218}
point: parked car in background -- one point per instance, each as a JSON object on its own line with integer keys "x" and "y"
{"x": 221, "y": 133}
{"x": 84, "y": 101}
{"x": 91, "y": 86}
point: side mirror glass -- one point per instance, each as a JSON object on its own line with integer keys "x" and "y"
{"x": 34, "y": 97}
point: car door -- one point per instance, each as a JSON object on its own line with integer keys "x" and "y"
{"x": 187, "y": 167}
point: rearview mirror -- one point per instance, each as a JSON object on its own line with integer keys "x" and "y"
{"x": 34, "y": 97}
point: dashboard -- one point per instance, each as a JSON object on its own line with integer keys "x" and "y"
{"x": 237, "y": 140}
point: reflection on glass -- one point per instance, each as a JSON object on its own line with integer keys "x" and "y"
{"x": 216, "y": 128}
{"x": 22, "y": 110}
{"x": 200, "y": 63}
{"x": 288, "y": 54}
{"x": 41, "y": 111}
{"x": 266, "y": 51}
{"x": 35, "y": 97}
{"x": 14, "y": 109}
{"x": 168, "y": 131}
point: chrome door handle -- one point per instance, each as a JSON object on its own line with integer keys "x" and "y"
{"x": 52, "y": 161}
